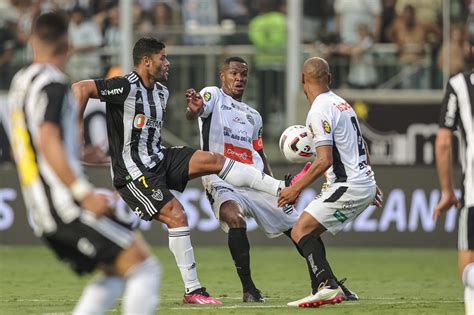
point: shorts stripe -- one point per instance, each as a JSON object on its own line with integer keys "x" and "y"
{"x": 337, "y": 194}
{"x": 108, "y": 228}
{"x": 466, "y": 229}
{"x": 142, "y": 198}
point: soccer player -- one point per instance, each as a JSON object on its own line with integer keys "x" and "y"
{"x": 457, "y": 112}
{"x": 350, "y": 188}
{"x": 144, "y": 171}
{"x": 73, "y": 220}
{"x": 234, "y": 129}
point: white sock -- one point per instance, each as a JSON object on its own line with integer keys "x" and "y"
{"x": 468, "y": 280}
{"x": 239, "y": 174}
{"x": 180, "y": 246}
{"x": 99, "y": 296}
{"x": 141, "y": 288}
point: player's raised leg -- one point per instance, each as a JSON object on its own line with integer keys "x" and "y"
{"x": 235, "y": 173}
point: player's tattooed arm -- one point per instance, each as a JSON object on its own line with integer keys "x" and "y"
{"x": 195, "y": 104}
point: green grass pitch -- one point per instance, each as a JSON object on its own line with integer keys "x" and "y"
{"x": 388, "y": 281}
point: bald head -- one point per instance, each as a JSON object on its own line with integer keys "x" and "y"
{"x": 316, "y": 70}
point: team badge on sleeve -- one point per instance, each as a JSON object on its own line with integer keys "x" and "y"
{"x": 207, "y": 96}
{"x": 326, "y": 126}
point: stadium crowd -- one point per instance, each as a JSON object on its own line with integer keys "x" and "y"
{"x": 349, "y": 33}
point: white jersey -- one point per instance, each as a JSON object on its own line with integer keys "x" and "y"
{"x": 231, "y": 128}
{"x": 332, "y": 121}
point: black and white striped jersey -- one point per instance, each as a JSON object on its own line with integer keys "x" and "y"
{"x": 457, "y": 112}
{"x": 134, "y": 119}
{"x": 39, "y": 93}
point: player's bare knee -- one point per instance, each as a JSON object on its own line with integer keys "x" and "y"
{"x": 235, "y": 221}
{"x": 230, "y": 214}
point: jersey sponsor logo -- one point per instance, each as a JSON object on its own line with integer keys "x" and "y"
{"x": 225, "y": 107}
{"x": 86, "y": 247}
{"x": 341, "y": 217}
{"x": 241, "y": 136}
{"x": 326, "y": 126}
{"x": 238, "y": 154}
{"x": 112, "y": 91}
{"x": 450, "y": 117}
{"x": 207, "y": 96}
{"x": 250, "y": 119}
{"x": 343, "y": 106}
{"x": 138, "y": 212}
{"x": 238, "y": 120}
{"x": 139, "y": 121}
{"x": 258, "y": 143}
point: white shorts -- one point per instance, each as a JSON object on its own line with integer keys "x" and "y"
{"x": 255, "y": 204}
{"x": 339, "y": 204}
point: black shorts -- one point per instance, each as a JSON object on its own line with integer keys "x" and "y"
{"x": 149, "y": 193}
{"x": 88, "y": 241}
{"x": 466, "y": 229}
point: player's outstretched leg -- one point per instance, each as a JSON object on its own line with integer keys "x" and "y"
{"x": 235, "y": 173}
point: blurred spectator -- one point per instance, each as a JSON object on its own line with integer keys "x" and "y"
{"x": 267, "y": 32}
{"x": 318, "y": 20}
{"x": 428, "y": 15}
{"x": 7, "y": 46}
{"x": 362, "y": 72}
{"x": 165, "y": 22}
{"x": 459, "y": 50}
{"x": 200, "y": 20}
{"x": 112, "y": 30}
{"x": 350, "y": 13}
{"x": 388, "y": 16}
{"x": 112, "y": 34}
{"x": 427, "y": 11}
{"x": 410, "y": 37}
{"x": 85, "y": 39}
{"x": 161, "y": 22}
{"x": 235, "y": 10}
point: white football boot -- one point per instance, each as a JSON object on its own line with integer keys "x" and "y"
{"x": 325, "y": 295}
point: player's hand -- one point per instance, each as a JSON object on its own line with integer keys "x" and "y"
{"x": 97, "y": 203}
{"x": 194, "y": 101}
{"x": 288, "y": 195}
{"x": 378, "y": 201}
{"x": 448, "y": 199}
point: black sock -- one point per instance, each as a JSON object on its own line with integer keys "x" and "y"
{"x": 240, "y": 250}
{"x": 315, "y": 255}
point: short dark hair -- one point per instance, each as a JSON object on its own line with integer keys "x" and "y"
{"x": 50, "y": 27}
{"x": 227, "y": 61}
{"x": 146, "y": 46}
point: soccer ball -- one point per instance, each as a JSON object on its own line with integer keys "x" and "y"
{"x": 296, "y": 144}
